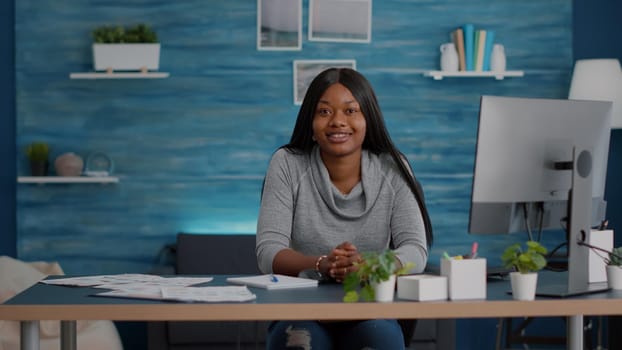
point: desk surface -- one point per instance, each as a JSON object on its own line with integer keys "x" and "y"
{"x": 49, "y": 302}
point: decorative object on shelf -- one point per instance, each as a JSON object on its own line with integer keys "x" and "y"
{"x": 69, "y": 164}
{"x": 497, "y": 59}
{"x": 38, "y": 153}
{"x": 614, "y": 269}
{"x": 98, "y": 164}
{"x": 375, "y": 277}
{"x": 527, "y": 264}
{"x": 449, "y": 57}
{"x": 116, "y": 48}
{"x": 599, "y": 79}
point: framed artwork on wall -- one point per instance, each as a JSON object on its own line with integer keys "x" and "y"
{"x": 326, "y": 20}
{"x": 306, "y": 70}
{"x": 279, "y": 25}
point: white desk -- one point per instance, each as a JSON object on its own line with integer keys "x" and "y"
{"x": 48, "y": 302}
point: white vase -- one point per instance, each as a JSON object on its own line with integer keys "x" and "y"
{"x": 524, "y": 285}
{"x": 497, "y": 59}
{"x": 614, "y": 276}
{"x": 449, "y": 57}
{"x": 385, "y": 290}
{"x": 69, "y": 164}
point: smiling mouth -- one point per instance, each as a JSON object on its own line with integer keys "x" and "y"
{"x": 338, "y": 136}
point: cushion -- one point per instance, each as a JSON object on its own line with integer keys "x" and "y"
{"x": 16, "y": 276}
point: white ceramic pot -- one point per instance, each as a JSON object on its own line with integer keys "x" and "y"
{"x": 614, "y": 276}
{"x": 126, "y": 57}
{"x": 524, "y": 285}
{"x": 449, "y": 58}
{"x": 385, "y": 290}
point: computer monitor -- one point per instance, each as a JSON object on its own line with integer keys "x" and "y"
{"x": 542, "y": 163}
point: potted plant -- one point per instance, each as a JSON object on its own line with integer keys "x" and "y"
{"x": 38, "y": 153}
{"x": 614, "y": 268}
{"x": 375, "y": 277}
{"x": 125, "y": 49}
{"x": 527, "y": 263}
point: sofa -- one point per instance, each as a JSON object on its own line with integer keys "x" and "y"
{"x": 16, "y": 276}
{"x": 210, "y": 254}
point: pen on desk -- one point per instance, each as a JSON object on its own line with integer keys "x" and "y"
{"x": 273, "y": 278}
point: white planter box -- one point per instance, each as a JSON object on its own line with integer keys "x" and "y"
{"x": 422, "y": 287}
{"x": 126, "y": 57}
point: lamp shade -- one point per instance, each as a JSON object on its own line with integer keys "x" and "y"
{"x": 601, "y": 80}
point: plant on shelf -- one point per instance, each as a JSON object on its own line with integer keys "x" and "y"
{"x": 38, "y": 154}
{"x": 118, "y": 48}
{"x": 527, "y": 263}
{"x": 374, "y": 268}
{"x": 140, "y": 33}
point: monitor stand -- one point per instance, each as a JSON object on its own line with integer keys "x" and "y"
{"x": 580, "y": 217}
{"x": 561, "y": 290}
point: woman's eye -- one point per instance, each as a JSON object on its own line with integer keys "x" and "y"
{"x": 323, "y": 112}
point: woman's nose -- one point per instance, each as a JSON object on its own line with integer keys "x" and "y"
{"x": 338, "y": 119}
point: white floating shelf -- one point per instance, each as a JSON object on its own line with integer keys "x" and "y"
{"x": 66, "y": 179}
{"x": 119, "y": 75}
{"x": 438, "y": 75}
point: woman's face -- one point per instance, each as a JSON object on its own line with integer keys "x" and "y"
{"x": 338, "y": 124}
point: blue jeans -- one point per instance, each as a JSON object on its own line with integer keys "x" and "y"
{"x": 348, "y": 335}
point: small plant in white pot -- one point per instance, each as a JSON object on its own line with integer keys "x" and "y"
{"x": 135, "y": 48}
{"x": 375, "y": 277}
{"x": 614, "y": 268}
{"x": 527, "y": 263}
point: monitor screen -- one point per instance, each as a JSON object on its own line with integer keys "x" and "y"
{"x": 519, "y": 141}
{"x": 541, "y": 163}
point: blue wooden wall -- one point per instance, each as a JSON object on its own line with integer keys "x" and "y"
{"x": 191, "y": 150}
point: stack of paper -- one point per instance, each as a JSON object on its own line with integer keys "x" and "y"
{"x": 274, "y": 281}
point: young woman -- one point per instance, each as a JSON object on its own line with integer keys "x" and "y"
{"x": 338, "y": 188}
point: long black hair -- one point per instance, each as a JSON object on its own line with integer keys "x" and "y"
{"x": 377, "y": 139}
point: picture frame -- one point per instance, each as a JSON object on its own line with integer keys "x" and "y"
{"x": 279, "y": 25}
{"x": 326, "y": 20}
{"x": 305, "y": 70}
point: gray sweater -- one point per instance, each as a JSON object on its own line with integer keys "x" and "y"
{"x": 301, "y": 209}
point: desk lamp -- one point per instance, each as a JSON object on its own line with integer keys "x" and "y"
{"x": 599, "y": 79}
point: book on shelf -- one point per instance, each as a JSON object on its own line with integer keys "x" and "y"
{"x": 469, "y": 45}
{"x": 479, "y": 54}
{"x": 458, "y": 39}
{"x": 490, "y": 38}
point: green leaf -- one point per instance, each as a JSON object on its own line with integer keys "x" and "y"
{"x": 351, "y": 297}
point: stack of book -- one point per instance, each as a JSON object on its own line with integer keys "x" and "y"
{"x": 474, "y": 47}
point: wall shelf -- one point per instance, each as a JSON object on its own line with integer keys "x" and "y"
{"x": 66, "y": 179}
{"x": 119, "y": 75}
{"x": 438, "y": 75}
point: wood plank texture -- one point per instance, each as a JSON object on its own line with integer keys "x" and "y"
{"x": 191, "y": 150}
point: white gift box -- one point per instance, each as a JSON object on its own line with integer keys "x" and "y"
{"x": 466, "y": 278}
{"x": 422, "y": 287}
